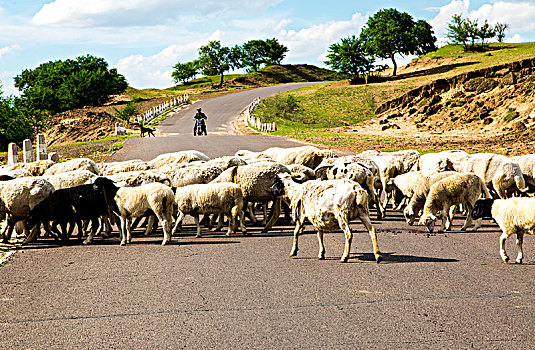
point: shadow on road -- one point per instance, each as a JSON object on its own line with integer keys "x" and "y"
{"x": 394, "y": 258}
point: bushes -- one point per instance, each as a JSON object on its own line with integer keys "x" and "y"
{"x": 17, "y": 121}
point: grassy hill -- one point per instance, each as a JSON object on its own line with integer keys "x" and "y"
{"x": 310, "y": 114}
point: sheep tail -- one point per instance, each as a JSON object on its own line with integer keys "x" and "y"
{"x": 484, "y": 189}
{"x": 520, "y": 183}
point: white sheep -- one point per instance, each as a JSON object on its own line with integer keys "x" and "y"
{"x": 194, "y": 174}
{"x": 499, "y": 172}
{"x": 137, "y": 178}
{"x": 439, "y": 162}
{"x": 226, "y": 162}
{"x": 177, "y": 157}
{"x": 222, "y": 198}
{"x": 123, "y": 167}
{"x": 71, "y": 178}
{"x": 406, "y": 184}
{"x": 309, "y": 156}
{"x": 462, "y": 188}
{"x": 328, "y": 205}
{"x": 17, "y": 198}
{"x": 513, "y": 215}
{"x": 37, "y": 168}
{"x": 527, "y": 165}
{"x": 419, "y": 194}
{"x": 133, "y": 202}
{"x": 73, "y": 164}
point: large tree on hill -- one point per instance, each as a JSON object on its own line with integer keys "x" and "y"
{"x": 253, "y": 54}
{"x": 390, "y": 32}
{"x": 275, "y": 52}
{"x": 215, "y": 59}
{"x": 349, "y": 57}
{"x": 73, "y": 83}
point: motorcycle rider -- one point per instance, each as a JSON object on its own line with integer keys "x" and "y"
{"x": 199, "y": 117}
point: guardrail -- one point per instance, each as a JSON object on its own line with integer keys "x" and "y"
{"x": 255, "y": 122}
{"x": 160, "y": 109}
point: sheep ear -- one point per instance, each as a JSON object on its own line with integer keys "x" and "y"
{"x": 298, "y": 176}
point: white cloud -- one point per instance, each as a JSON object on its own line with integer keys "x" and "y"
{"x": 315, "y": 40}
{"x": 8, "y": 49}
{"x": 517, "y": 38}
{"x": 443, "y": 18}
{"x": 520, "y": 15}
{"x": 113, "y": 13}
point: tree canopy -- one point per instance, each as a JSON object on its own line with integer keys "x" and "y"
{"x": 215, "y": 59}
{"x": 73, "y": 83}
{"x": 349, "y": 57}
{"x": 255, "y": 53}
{"x": 183, "y": 72}
{"x": 467, "y": 32}
{"x": 390, "y": 32}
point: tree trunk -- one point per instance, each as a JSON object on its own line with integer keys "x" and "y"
{"x": 395, "y": 65}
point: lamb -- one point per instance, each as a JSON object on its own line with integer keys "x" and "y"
{"x": 463, "y": 188}
{"x": 17, "y": 197}
{"x": 363, "y": 176}
{"x": 71, "y": 178}
{"x": 177, "y": 157}
{"x": 513, "y": 215}
{"x": 222, "y": 198}
{"x": 255, "y": 180}
{"x": 131, "y": 202}
{"x": 499, "y": 172}
{"x": 73, "y": 164}
{"x": 419, "y": 194}
{"x": 328, "y": 205}
{"x": 73, "y": 205}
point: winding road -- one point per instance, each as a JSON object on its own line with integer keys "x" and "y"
{"x": 446, "y": 291}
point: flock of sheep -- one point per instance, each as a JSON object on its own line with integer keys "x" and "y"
{"x": 311, "y": 184}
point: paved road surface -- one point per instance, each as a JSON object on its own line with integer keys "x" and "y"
{"x": 439, "y": 292}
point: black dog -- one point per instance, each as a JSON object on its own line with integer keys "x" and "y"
{"x": 144, "y": 130}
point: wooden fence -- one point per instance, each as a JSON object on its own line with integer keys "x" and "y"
{"x": 255, "y": 122}
{"x": 157, "y": 111}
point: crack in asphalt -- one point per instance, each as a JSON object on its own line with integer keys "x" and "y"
{"x": 261, "y": 308}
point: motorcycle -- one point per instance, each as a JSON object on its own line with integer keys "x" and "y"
{"x": 198, "y": 130}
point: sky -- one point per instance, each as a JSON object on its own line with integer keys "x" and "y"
{"x": 143, "y": 39}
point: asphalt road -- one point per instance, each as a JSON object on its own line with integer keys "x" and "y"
{"x": 431, "y": 292}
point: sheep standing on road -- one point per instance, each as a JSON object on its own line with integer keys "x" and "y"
{"x": 513, "y": 215}
{"x": 328, "y": 205}
{"x": 222, "y": 198}
{"x": 463, "y": 188}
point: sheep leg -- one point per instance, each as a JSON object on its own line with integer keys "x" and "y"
{"x": 242, "y": 222}
{"x": 220, "y": 219}
{"x": 468, "y": 221}
{"x": 166, "y": 226}
{"x": 178, "y": 222}
{"x": 519, "y": 241}
{"x": 6, "y": 232}
{"x": 349, "y": 238}
{"x": 94, "y": 230}
{"x": 231, "y": 223}
{"x": 123, "y": 230}
{"x": 150, "y": 224}
{"x": 365, "y": 219}
{"x": 250, "y": 212}
{"x": 478, "y": 224}
{"x": 196, "y": 217}
{"x": 445, "y": 218}
{"x": 299, "y": 226}
{"x": 275, "y": 215}
{"x": 265, "y": 214}
{"x": 321, "y": 254}
{"x": 503, "y": 253}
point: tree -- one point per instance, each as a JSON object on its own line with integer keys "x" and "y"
{"x": 17, "y": 120}
{"x": 62, "y": 85}
{"x": 215, "y": 59}
{"x": 390, "y": 32}
{"x": 183, "y": 72}
{"x": 457, "y": 32}
{"x": 486, "y": 31}
{"x": 349, "y": 57}
{"x": 275, "y": 52}
{"x": 499, "y": 30}
{"x": 252, "y": 54}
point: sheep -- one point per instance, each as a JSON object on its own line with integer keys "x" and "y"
{"x": 462, "y": 188}
{"x": 177, "y": 157}
{"x": 17, "y": 197}
{"x": 405, "y": 184}
{"x": 527, "y": 165}
{"x": 439, "y": 162}
{"x": 309, "y": 173}
{"x": 255, "y": 181}
{"x": 309, "y": 156}
{"x": 419, "y": 194}
{"x": 73, "y": 164}
{"x": 363, "y": 176}
{"x": 37, "y": 168}
{"x": 214, "y": 198}
{"x": 12, "y": 174}
{"x": 73, "y": 205}
{"x": 131, "y": 202}
{"x": 328, "y": 205}
{"x": 513, "y": 215}
{"x": 226, "y": 162}
{"x": 190, "y": 175}
{"x": 71, "y": 178}
{"x": 389, "y": 167}
{"x": 137, "y": 178}
{"x": 123, "y": 167}
{"x": 499, "y": 172}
